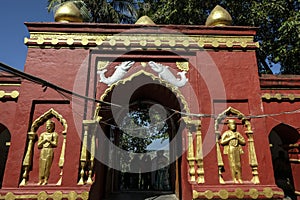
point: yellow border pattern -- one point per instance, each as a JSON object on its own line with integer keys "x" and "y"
{"x": 169, "y": 41}
{"x": 58, "y": 195}
{"x": 278, "y": 96}
{"x": 238, "y": 193}
{"x": 14, "y": 94}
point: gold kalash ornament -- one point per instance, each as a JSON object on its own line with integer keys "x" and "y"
{"x": 68, "y": 12}
{"x": 218, "y": 17}
{"x": 145, "y": 20}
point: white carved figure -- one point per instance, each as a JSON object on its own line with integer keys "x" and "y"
{"x": 119, "y": 73}
{"x": 166, "y": 74}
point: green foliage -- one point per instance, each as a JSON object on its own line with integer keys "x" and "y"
{"x": 102, "y": 11}
{"x": 278, "y": 22}
{"x": 279, "y": 33}
{"x": 141, "y": 127}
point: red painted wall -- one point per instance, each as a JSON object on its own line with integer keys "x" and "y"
{"x": 218, "y": 78}
{"x": 59, "y": 67}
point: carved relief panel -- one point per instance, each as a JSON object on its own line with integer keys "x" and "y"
{"x": 163, "y": 71}
{"x": 45, "y": 150}
{"x": 231, "y": 145}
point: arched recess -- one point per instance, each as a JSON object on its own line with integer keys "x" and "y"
{"x": 4, "y": 148}
{"x": 144, "y": 87}
{"x": 231, "y": 112}
{"x": 284, "y": 141}
{"x": 143, "y": 77}
{"x": 31, "y": 136}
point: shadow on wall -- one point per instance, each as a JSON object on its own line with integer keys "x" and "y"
{"x": 4, "y": 147}
{"x": 281, "y": 138}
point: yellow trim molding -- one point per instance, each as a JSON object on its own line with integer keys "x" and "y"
{"x": 278, "y": 96}
{"x": 153, "y": 40}
{"x": 10, "y": 84}
{"x": 294, "y": 160}
{"x": 14, "y": 94}
{"x": 58, "y": 195}
{"x": 238, "y": 192}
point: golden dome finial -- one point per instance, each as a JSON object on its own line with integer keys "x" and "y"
{"x": 145, "y": 20}
{"x": 218, "y": 17}
{"x": 68, "y": 12}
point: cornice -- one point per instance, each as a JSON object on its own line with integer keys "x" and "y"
{"x": 138, "y": 28}
{"x": 70, "y": 35}
{"x": 280, "y": 82}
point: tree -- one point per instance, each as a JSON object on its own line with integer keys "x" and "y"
{"x": 102, "y": 11}
{"x": 278, "y": 22}
{"x": 141, "y": 126}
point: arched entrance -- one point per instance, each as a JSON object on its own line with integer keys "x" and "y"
{"x": 147, "y": 127}
{"x": 4, "y": 147}
{"x": 282, "y": 137}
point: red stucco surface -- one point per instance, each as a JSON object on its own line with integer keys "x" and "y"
{"x": 217, "y": 79}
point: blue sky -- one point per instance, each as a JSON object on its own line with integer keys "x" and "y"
{"x": 13, "y": 14}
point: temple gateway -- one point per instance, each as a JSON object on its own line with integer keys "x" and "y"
{"x": 146, "y": 111}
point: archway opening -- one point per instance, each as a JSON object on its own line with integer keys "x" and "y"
{"x": 4, "y": 148}
{"x": 149, "y": 129}
{"x": 281, "y": 139}
{"x": 145, "y": 133}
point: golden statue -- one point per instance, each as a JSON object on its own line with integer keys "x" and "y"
{"x": 47, "y": 142}
{"x": 232, "y": 141}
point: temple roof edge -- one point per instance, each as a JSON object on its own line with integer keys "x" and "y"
{"x": 76, "y": 27}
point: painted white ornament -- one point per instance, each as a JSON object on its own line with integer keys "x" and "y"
{"x": 119, "y": 73}
{"x": 165, "y": 74}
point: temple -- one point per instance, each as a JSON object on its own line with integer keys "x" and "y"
{"x": 144, "y": 111}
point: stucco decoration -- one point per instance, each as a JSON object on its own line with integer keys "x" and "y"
{"x": 194, "y": 131}
{"x": 31, "y": 135}
{"x": 119, "y": 73}
{"x": 126, "y": 80}
{"x": 165, "y": 74}
{"x": 87, "y": 156}
{"x": 234, "y": 113}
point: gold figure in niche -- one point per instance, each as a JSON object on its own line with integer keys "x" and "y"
{"x": 47, "y": 142}
{"x": 232, "y": 142}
